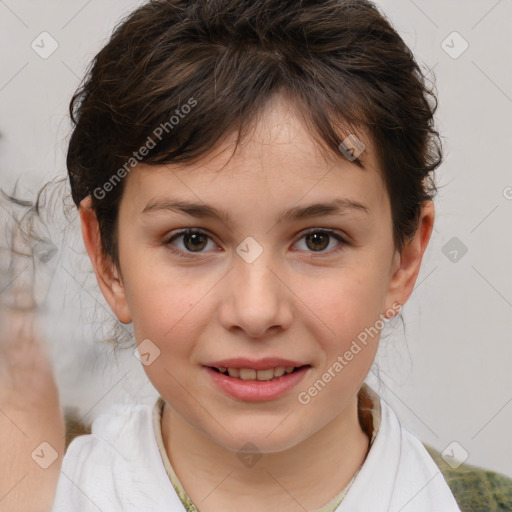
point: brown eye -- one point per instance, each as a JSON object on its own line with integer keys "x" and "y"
{"x": 319, "y": 240}
{"x": 192, "y": 241}
{"x": 195, "y": 241}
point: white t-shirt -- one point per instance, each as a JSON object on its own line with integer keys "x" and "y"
{"x": 122, "y": 467}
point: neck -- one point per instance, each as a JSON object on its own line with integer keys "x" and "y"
{"x": 306, "y": 476}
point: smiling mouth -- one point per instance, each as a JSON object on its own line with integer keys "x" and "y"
{"x": 259, "y": 375}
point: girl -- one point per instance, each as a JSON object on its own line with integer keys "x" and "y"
{"x": 254, "y": 182}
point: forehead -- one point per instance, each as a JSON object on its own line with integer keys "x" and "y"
{"x": 279, "y": 161}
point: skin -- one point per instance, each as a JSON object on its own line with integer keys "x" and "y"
{"x": 29, "y": 415}
{"x": 293, "y": 301}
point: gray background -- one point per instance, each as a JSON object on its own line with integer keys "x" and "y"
{"x": 449, "y": 376}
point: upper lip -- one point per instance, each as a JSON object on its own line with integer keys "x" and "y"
{"x": 254, "y": 364}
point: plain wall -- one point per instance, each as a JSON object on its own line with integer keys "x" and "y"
{"x": 448, "y": 376}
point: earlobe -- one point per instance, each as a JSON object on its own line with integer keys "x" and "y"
{"x": 407, "y": 262}
{"x": 109, "y": 281}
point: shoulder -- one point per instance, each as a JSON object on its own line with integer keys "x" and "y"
{"x": 120, "y": 431}
{"x": 121, "y": 423}
{"x": 116, "y": 465}
{"x": 398, "y": 470}
{"x": 475, "y": 488}
{"x": 419, "y": 482}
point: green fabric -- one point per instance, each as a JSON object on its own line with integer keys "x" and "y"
{"x": 475, "y": 489}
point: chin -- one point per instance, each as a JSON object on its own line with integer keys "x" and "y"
{"x": 251, "y": 438}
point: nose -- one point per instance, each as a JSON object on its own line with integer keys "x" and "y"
{"x": 257, "y": 298}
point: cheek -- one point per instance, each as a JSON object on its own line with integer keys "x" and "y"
{"x": 349, "y": 300}
{"x": 170, "y": 314}
{"x": 167, "y": 307}
{"x": 347, "y": 323}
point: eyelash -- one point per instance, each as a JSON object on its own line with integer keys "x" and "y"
{"x": 189, "y": 231}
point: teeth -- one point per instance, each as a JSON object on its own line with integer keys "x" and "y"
{"x": 251, "y": 374}
{"x": 265, "y": 374}
{"x": 247, "y": 374}
{"x": 279, "y": 371}
{"x": 234, "y": 372}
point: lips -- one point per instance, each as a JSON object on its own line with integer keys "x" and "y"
{"x": 247, "y": 379}
{"x": 258, "y": 389}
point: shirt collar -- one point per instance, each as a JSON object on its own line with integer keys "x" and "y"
{"x": 369, "y": 413}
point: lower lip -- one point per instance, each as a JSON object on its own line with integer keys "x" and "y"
{"x": 257, "y": 390}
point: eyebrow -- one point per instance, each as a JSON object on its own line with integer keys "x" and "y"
{"x": 336, "y": 206}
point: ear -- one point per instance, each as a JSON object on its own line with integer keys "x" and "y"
{"x": 407, "y": 262}
{"x": 109, "y": 281}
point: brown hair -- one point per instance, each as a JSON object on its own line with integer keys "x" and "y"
{"x": 177, "y": 75}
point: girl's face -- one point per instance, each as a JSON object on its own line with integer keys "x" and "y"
{"x": 270, "y": 277}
